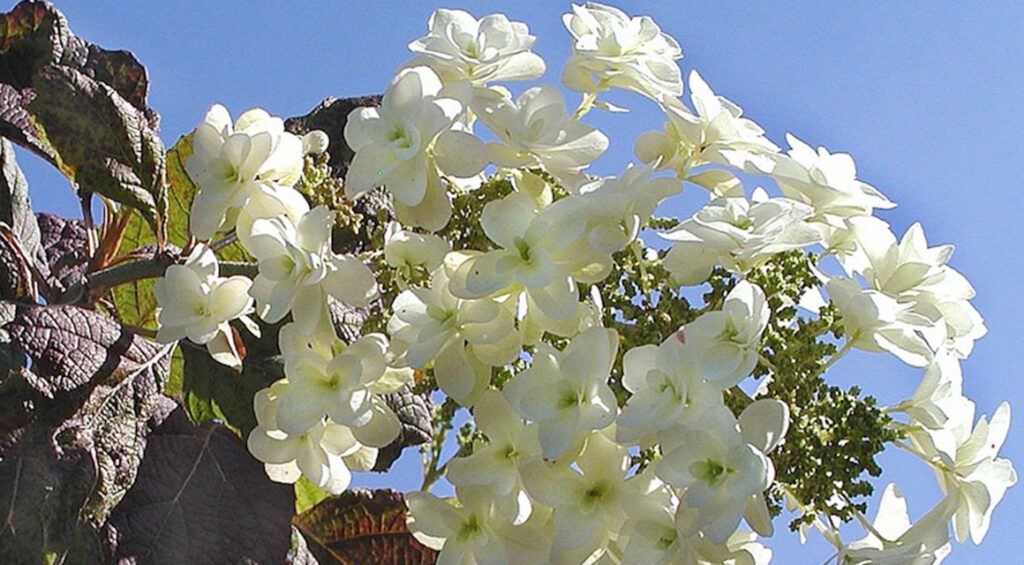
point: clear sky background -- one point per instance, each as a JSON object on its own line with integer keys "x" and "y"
{"x": 926, "y": 96}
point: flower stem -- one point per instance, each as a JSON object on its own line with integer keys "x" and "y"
{"x": 585, "y": 106}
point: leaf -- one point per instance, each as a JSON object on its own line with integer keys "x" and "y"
{"x": 18, "y": 398}
{"x": 330, "y": 117}
{"x": 174, "y": 381}
{"x": 82, "y": 108}
{"x": 15, "y": 272}
{"x": 362, "y": 526}
{"x": 201, "y": 498}
{"x": 79, "y": 453}
{"x": 134, "y": 302}
{"x": 63, "y": 245}
{"x": 43, "y": 490}
{"x": 213, "y": 391}
{"x": 414, "y": 412}
{"x": 15, "y": 205}
{"x": 105, "y": 144}
{"x": 10, "y": 358}
{"x": 307, "y": 495}
{"x": 72, "y": 347}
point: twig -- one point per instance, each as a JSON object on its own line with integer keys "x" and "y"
{"x": 225, "y": 241}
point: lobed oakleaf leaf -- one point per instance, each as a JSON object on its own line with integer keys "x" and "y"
{"x": 362, "y": 526}
{"x": 201, "y": 498}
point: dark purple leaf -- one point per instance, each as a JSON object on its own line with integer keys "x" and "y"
{"x": 330, "y": 117}
{"x": 78, "y": 448}
{"x": 74, "y": 349}
{"x": 64, "y": 244}
{"x": 413, "y": 412}
{"x": 200, "y": 497}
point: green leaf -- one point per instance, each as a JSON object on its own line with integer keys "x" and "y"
{"x": 82, "y": 108}
{"x": 308, "y": 495}
{"x": 176, "y": 377}
{"x": 362, "y": 526}
{"x": 134, "y": 301}
{"x": 212, "y": 391}
{"x": 15, "y": 206}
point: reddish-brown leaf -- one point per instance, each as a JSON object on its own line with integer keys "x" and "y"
{"x": 362, "y": 526}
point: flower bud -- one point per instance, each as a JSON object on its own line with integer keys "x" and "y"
{"x": 315, "y": 142}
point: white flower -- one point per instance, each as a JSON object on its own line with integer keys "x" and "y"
{"x": 726, "y": 342}
{"x": 611, "y": 49}
{"x": 298, "y": 270}
{"x": 229, "y": 161}
{"x": 720, "y": 471}
{"x": 341, "y": 387}
{"x": 533, "y": 256}
{"x": 497, "y": 464}
{"x": 474, "y": 533}
{"x": 939, "y": 398}
{"x": 402, "y": 144}
{"x": 716, "y": 134}
{"x": 566, "y": 393}
{"x": 826, "y": 181}
{"x": 617, "y": 208}
{"x": 653, "y": 540}
{"x": 918, "y": 276}
{"x": 320, "y": 453}
{"x": 897, "y": 267}
{"x": 195, "y": 302}
{"x": 590, "y": 504}
{"x": 666, "y": 383}
{"x": 923, "y": 543}
{"x": 763, "y": 425}
{"x": 536, "y": 131}
{"x": 738, "y": 234}
{"x": 315, "y": 142}
{"x": 969, "y": 471}
{"x": 876, "y": 322}
{"x": 405, "y": 249}
{"x": 462, "y": 337}
{"x": 460, "y": 47}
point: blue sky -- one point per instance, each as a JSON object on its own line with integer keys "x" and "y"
{"x": 926, "y": 96}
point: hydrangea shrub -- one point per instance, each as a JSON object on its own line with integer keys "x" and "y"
{"x": 271, "y": 305}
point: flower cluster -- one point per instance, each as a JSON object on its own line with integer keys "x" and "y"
{"x": 590, "y": 447}
{"x": 327, "y": 415}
